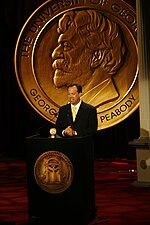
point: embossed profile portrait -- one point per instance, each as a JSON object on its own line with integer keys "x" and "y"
{"x": 90, "y": 51}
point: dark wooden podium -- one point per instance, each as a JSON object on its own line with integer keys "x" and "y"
{"x": 76, "y": 203}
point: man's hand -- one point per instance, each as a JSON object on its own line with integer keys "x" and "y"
{"x": 69, "y": 131}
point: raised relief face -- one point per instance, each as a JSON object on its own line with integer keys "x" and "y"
{"x": 71, "y": 58}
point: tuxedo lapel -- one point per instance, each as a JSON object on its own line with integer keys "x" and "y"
{"x": 69, "y": 112}
{"x": 80, "y": 111}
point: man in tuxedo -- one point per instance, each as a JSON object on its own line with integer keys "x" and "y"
{"x": 85, "y": 122}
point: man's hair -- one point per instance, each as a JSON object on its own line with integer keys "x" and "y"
{"x": 79, "y": 87}
{"x": 100, "y": 34}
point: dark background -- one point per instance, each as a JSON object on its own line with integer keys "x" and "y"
{"x": 18, "y": 119}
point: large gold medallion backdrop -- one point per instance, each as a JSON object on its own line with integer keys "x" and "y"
{"x": 90, "y": 42}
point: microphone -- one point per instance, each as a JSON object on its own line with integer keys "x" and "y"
{"x": 39, "y": 128}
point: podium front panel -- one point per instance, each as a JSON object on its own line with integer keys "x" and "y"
{"x": 77, "y": 202}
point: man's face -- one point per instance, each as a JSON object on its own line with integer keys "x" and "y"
{"x": 73, "y": 95}
{"x": 71, "y": 59}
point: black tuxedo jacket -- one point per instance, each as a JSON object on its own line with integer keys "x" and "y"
{"x": 85, "y": 123}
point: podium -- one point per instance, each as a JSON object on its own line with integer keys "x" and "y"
{"x": 50, "y": 198}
